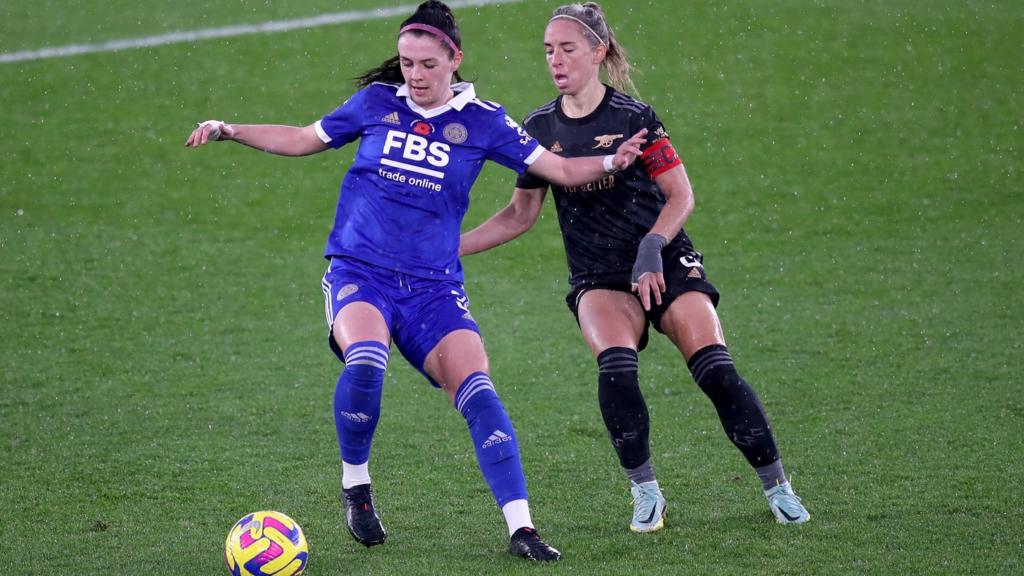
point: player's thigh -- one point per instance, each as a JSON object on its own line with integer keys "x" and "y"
{"x": 610, "y": 318}
{"x": 358, "y": 322}
{"x": 691, "y": 323}
{"x": 456, "y": 356}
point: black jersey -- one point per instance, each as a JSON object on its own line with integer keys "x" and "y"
{"x": 602, "y": 222}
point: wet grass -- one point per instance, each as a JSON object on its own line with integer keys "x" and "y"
{"x": 856, "y": 166}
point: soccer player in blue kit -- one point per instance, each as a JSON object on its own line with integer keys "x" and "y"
{"x": 394, "y": 272}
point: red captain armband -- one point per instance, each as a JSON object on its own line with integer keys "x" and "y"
{"x": 660, "y": 157}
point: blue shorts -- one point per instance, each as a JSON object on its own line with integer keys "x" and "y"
{"x": 419, "y": 312}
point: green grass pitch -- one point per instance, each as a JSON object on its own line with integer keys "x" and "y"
{"x": 163, "y": 369}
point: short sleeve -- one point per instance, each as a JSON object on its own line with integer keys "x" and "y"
{"x": 655, "y": 129}
{"x": 345, "y": 123}
{"x": 527, "y": 180}
{"x": 509, "y": 144}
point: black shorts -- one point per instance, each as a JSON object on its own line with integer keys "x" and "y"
{"x": 684, "y": 272}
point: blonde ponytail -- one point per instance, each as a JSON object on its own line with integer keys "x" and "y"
{"x": 597, "y": 31}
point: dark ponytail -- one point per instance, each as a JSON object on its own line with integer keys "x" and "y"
{"x": 432, "y": 13}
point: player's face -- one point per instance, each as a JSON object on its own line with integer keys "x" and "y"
{"x": 427, "y": 67}
{"x": 573, "y": 63}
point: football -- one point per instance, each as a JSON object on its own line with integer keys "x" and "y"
{"x": 266, "y": 544}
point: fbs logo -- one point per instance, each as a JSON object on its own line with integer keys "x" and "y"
{"x": 417, "y": 148}
{"x": 496, "y": 437}
{"x": 606, "y": 140}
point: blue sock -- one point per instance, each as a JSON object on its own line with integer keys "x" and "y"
{"x": 497, "y": 451}
{"x": 357, "y": 399}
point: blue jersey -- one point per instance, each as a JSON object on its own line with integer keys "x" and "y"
{"x": 401, "y": 203}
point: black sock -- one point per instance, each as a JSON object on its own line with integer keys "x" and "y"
{"x": 741, "y": 413}
{"x": 622, "y": 405}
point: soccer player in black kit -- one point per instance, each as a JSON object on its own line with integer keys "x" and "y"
{"x": 631, "y": 264}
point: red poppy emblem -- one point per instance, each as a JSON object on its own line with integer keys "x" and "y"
{"x": 422, "y": 128}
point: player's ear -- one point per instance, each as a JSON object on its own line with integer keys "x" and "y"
{"x": 456, "y": 60}
{"x": 600, "y": 51}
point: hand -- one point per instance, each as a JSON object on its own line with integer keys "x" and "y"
{"x": 650, "y": 283}
{"x": 647, "y": 277}
{"x": 629, "y": 150}
{"x": 209, "y": 131}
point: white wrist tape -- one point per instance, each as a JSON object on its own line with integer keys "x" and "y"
{"x": 215, "y": 133}
{"x": 609, "y": 164}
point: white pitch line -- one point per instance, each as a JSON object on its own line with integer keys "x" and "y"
{"x": 227, "y": 31}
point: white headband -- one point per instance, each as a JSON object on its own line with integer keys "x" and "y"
{"x": 582, "y": 23}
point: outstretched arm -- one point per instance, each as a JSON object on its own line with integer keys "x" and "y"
{"x": 579, "y": 171}
{"x": 507, "y": 224}
{"x": 273, "y": 138}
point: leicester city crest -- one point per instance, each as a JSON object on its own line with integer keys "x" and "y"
{"x": 455, "y": 133}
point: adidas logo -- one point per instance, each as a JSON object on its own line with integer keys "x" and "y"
{"x": 497, "y": 437}
{"x": 556, "y": 147}
{"x": 392, "y": 118}
{"x": 694, "y": 273}
{"x": 358, "y": 417}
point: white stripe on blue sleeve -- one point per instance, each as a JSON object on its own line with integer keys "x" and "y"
{"x": 534, "y": 155}
{"x": 320, "y": 132}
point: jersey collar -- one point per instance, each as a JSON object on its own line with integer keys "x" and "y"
{"x": 464, "y": 93}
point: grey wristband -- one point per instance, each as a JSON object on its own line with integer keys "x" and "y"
{"x": 648, "y": 256}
